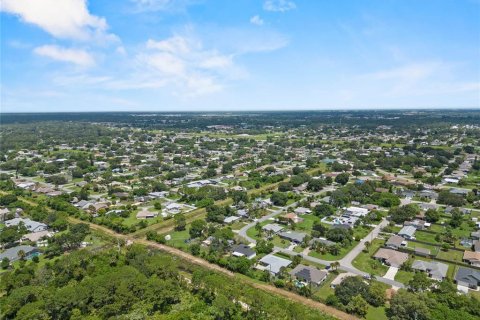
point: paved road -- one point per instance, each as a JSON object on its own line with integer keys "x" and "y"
{"x": 345, "y": 263}
{"x": 243, "y": 232}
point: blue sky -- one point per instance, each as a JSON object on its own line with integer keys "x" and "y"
{"x": 164, "y": 55}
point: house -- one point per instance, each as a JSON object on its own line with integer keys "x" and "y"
{"x": 468, "y": 278}
{"x": 323, "y": 241}
{"x": 407, "y": 232}
{"x": 145, "y": 214}
{"x": 391, "y": 257}
{"x": 32, "y": 226}
{"x": 476, "y": 245}
{"x": 242, "y": 213}
{"x": 296, "y": 237}
{"x": 395, "y": 242}
{"x": 12, "y": 253}
{"x": 36, "y": 236}
{"x": 419, "y": 251}
{"x": 475, "y": 235}
{"x": 308, "y": 274}
{"x": 242, "y": 250}
{"x": 472, "y": 258}
{"x": 356, "y": 211}
{"x": 435, "y": 270}
{"x": 291, "y": 218}
{"x": 302, "y": 210}
{"x": 272, "y": 263}
{"x": 462, "y": 192}
{"x": 231, "y": 219}
{"x": 272, "y": 227}
{"x": 3, "y": 214}
{"x": 418, "y": 224}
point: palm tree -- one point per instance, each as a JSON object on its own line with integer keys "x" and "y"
{"x": 334, "y": 265}
{"x": 21, "y": 254}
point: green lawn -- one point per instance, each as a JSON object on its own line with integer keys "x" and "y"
{"x": 307, "y": 223}
{"x": 376, "y": 313}
{"x": 325, "y": 290}
{"x": 279, "y": 242}
{"x": 404, "y": 276}
{"x": 366, "y": 263}
{"x": 178, "y": 239}
{"x": 330, "y": 257}
{"x": 426, "y": 237}
{"x": 451, "y": 255}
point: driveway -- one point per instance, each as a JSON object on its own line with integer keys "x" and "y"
{"x": 392, "y": 271}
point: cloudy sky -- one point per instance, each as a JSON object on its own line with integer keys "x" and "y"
{"x": 163, "y": 55}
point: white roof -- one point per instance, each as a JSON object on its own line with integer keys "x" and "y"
{"x": 275, "y": 263}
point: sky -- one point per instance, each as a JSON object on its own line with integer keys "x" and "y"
{"x": 193, "y": 55}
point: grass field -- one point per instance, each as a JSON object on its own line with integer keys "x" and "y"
{"x": 366, "y": 263}
{"x": 330, "y": 257}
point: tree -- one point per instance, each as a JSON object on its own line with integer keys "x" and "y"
{"x": 324, "y": 210}
{"x": 197, "y": 228}
{"x": 420, "y": 282}
{"x": 285, "y": 187}
{"x": 5, "y": 263}
{"x": 342, "y": 178}
{"x": 349, "y": 288}
{"x": 407, "y": 306}
{"x": 457, "y": 218}
{"x": 316, "y": 185}
{"x": 432, "y": 215}
{"x": 157, "y": 205}
{"x": 279, "y": 198}
{"x": 358, "y": 306}
{"x": 404, "y": 213}
{"x": 264, "y": 246}
{"x": 376, "y": 294}
{"x": 180, "y": 222}
{"x": 21, "y": 255}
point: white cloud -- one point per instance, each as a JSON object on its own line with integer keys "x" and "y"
{"x": 279, "y": 5}
{"x": 160, "y": 5}
{"x": 182, "y": 61}
{"x": 256, "y": 20}
{"x": 75, "y": 56}
{"x": 65, "y": 19}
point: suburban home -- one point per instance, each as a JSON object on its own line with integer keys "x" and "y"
{"x": 242, "y": 250}
{"x": 302, "y": 210}
{"x": 472, "y": 258}
{"x": 145, "y": 214}
{"x": 395, "y": 242}
{"x": 391, "y": 257}
{"x": 3, "y": 214}
{"x": 417, "y": 223}
{"x": 476, "y": 245}
{"x": 422, "y": 251}
{"x": 308, "y": 274}
{"x": 323, "y": 241}
{"x": 12, "y": 253}
{"x": 291, "y": 217}
{"x": 36, "y": 236}
{"x": 475, "y": 235}
{"x": 468, "y": 278}
{"x": 435, "y": 270}
{"x": 272, "y": 227}
{"x": 407, "y": 232}
{"x": 231, "y": 219}
{"x": 32, "y": 226}
{"x": 356, "y": 211}
{"x": 272, "y": 263}
{"x": 296, "y": 237}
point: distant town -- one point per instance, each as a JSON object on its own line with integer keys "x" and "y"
{"x": 346, "y": 214}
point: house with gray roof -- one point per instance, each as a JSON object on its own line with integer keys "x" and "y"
{"x": 272, "y": 263}
{"x": 468, "y": 278}
{"x": 395, "y": 242}
{"x": 272, "y": 227}
{"x": 309, "y": 274}
{"x": 12, "y": 253}
{"x": 407, "y": 232}
{"x": 293, "y": 236}
{"x": 242, "y": 250}
{"x": 32, "y": 226}
{"x": 435, "y": 270}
